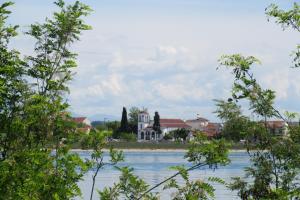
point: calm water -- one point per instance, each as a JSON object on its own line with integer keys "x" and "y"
{"x": 153, "y": 167}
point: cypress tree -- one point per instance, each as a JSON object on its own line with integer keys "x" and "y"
{"x": 124, "y": 121}
{"x": 156, "y": 124}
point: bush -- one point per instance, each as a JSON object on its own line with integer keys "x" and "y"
{"x": 130, "y": 137}
{"x": 168, "y": 136}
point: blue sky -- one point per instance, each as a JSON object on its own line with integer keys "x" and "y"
{"x": 163, "y": 54}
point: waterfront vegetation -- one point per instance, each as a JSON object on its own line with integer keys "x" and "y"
{"x": 37, "y": 133}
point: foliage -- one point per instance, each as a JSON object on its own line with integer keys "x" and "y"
{"x": 191, "y": 190}
{"x": 168, "y": 136}
{"x": 181, "y": 133}
{"x": 124, "y": 121}
{"x": 156, "y": 123}
{"x": 227, "y": 110}
{"x": 133, "y": 115}
{"x": 201, "y": 153}
{"x": 129, "y": 137}
{"x": 129, "y": 187}
{"x": 289, "y": 18}
{"x": 13, "y": 87}
{"x": 33, "y": 110}
{"x": 210, "y": 152}
{"x": 235, "y": 124}
{"x": 275, "y": 159}
{"x": 98, "y": 141}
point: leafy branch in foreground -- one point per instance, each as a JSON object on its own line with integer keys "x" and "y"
{"x": 289, "y": 18}
{"x": 192, "y": 189}
{"x": 202, "y": 153}
{"x": 275, "y": 159}
{"x": 98, "y": 143}
{"x": 33, "y": 110}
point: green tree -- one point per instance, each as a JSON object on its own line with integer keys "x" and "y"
{"x": 201, "y": 153}
{"x": 156, "y": 123}
{"x": 129, "y": 186}
{"x": 133, "y": 119}
{"x": 34, "y": 112}
{"x": 234, "y": 123}
{"x": 13, "y": 87}
{"x": 133, "y": 115}
{"x": 124, "y": 121}
{"x": 98, "y": 141}
{"x": 287, "y": 19}
{"x": 275, "y": 159}
{"x": 181, "y": 133}
{"x": 227, "y": 110}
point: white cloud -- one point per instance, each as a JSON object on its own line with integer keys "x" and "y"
{"x": 278, "y": 80}
{"x": 166, "y": 60}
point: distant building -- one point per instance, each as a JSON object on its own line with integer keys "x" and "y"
{"x": 83, "y": 124}
{"x": 278, "y": 127}
{"x": 146, "y": 132}
{"x": 203, "y": 125}
{"x": 168, "y": 125}
{"x": 198, "y": 124}
{"x": 212, "y": 129}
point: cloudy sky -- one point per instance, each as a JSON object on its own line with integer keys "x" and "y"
{"x": 163, "y": 54}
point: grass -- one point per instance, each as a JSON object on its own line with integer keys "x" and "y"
{"x": 147, "y": 145}
{"x": 150, "y": 145}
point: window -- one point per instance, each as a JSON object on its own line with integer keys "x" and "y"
{"x": 142, "y": 135}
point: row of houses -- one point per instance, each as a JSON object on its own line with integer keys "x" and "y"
{"x": 210, "y": 129}
{"x": 147, "y": 133}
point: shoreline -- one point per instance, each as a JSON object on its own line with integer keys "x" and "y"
{"x": 153, "y": 150}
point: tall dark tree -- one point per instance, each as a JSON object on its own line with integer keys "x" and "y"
{"x": 124, "y": 121}
{"x": 156, "y": 124}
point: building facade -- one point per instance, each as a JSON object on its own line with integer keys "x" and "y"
{"x": 145, "y": 130}
{"x": 145, "y": 127}
{"x": 83, "y": 124}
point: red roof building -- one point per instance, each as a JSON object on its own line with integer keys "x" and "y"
{"x": 79, "y": 119}
{"x": 83, "y": 124}
{"x": 212, "y": 129}
{"x": 173, "y": 123}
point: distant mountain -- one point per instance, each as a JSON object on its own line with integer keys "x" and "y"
{"x": 103, "y": 117}
{"x": 98, "y": 117}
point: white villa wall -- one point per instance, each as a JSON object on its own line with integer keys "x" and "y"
{"x": 87, "y": 121}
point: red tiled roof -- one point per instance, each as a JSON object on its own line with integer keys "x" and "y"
{"x": 201, "y": 119}
{"x": 173, "y": 123}
{"x": 275, "y": 124}
{"x": 212, "y": 129}
{"x": 79, "y": 119}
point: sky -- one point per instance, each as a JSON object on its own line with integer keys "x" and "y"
{"x": 163, "y": 54}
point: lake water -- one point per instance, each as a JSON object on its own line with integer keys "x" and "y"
{"x": 153, "y": 167}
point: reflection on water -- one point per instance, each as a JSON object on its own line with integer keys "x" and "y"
{"x": 153, "y": 167}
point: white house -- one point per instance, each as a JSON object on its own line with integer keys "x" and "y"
{"x": 198, "y": 124}
{"x": 167, "y": 125}
{"x": 83, "y": 124}
{"x": 145, "y": 127}
{"x": 145, "y": 131}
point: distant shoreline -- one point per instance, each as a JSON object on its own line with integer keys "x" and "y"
{"x": 152, "y": 150}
